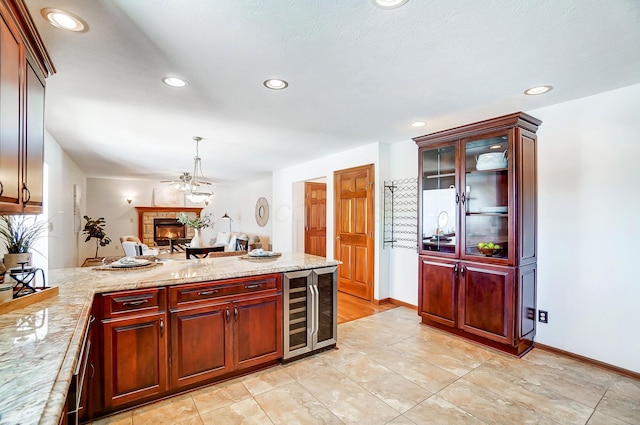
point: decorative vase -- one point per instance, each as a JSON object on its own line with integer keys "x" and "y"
{"x": 196, "y": 242}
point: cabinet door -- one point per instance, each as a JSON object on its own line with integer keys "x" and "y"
{"x": 438, "y": 211}
{"x": 200, "y": 344}
{"x": 11, "y": 57}
{"x": 135, "y": 358}
{"x": 257, "y": 330}
{"x": 34, "y": 149}
{"x": 487, "y": 301}
{"x": 326, "y": 307}
{"x": 487, "y": 201}
{"x": 437, "y": 297}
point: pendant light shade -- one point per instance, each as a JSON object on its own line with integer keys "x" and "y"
{"x": 194, "y": 185}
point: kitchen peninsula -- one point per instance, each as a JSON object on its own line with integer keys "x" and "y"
{"x": 43, "y": 346}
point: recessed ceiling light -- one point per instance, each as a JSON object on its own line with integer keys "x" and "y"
{"x": 495, "y": 147}
{"x": 388, "y": 4}
{"x": 418, "y": 124}
{"x": 538, "y": 90}
{"x": 275, "y": 84}
{"x": 64, "y": 20}
{"x": 174, "y": 81}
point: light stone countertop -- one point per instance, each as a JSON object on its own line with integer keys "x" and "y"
{"x": 39, "y": 344}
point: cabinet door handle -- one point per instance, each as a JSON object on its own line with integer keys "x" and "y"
{"x": 462, "y": 270}
{"x": 457, "y": 198}
{"x": 455, "y": 269}
{"x": 1, "y": 188}
{"x": 161, "y": 326}
{"x": 253, "y": 286}
{"x": 27, "y": 198}
{"x": 213, "y": 291}
{"x": 138, "y": 302}
{"x": 227, "y": 314}
{"x": 310, "y": 310}
{"x": 235, "y": 314}
{"x": 463, "y": 198}
{"x": 93, "y": 370}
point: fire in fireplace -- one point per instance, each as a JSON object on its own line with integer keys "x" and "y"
{"x": 168, "y": 229}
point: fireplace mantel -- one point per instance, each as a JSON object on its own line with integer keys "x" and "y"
{"x": 147, "y": 214}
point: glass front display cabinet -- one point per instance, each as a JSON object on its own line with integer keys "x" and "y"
{"x": 477, "y": 235}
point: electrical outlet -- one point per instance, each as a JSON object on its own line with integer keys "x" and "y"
{"x": 543, "y": 316}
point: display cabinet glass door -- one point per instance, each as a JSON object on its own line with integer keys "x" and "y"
{"x": 486, "y": 200}
{"x": 439, "y": 200}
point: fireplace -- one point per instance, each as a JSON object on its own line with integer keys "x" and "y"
{"x": 146, "y": 223}
{"x": 168, "y": 229}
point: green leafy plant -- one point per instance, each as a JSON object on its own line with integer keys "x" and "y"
{"x": 201, "y": 222}
{"x": 94, "y": 229}
{"x": 20, "y": 232}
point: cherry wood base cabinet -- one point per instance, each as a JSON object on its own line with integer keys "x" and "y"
{"x": 221, "y": 326}
{"x": 156, "y": 342}
{"x": 477, "y": 201}
{"x": 135, "y": 349}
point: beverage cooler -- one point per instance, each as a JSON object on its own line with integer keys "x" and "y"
{"x": 310, "y": 311}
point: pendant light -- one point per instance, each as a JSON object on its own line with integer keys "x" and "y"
{"x": 199, "y": 190}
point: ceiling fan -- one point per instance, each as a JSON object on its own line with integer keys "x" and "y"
{"x": 193, "y": 184}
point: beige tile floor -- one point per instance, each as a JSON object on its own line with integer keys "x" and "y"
{"x": 390, "y": 369}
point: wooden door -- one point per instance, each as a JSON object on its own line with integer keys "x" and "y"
{"x": 201, "y": 346}
{"x": 257, "y": 330}
{"x": 487, "y": 301}
{"x": 354, "y": 227}
{"x": 437, "y": 297}
{"x": 315, "y": 229}
{"x": 135, "y": 358}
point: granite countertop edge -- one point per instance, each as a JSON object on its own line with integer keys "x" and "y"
{"x": 79, "y": 286}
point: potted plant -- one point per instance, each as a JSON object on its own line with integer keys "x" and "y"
{"x": 19, "y": 233}
{"x": 94, "y": 229}
{"x": 196, "y": 223}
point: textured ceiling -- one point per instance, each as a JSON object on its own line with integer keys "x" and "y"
{"x": 357, "y": 74}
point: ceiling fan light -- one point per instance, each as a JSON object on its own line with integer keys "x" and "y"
{"x": 197, "y": 197}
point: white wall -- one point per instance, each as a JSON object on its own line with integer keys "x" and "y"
{"x": 403, "y": 263}
{"x": 286, "y": 218}
{"x": 63, "y": 174}
{"x": 243, "y": 207}
{"x": 588, "y": 231}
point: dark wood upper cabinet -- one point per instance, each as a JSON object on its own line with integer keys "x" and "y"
{"x": 24, "y": 64}
{"x": 477, "y": 230}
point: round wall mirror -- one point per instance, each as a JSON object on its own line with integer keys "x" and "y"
{"x": 262, "y": 212}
